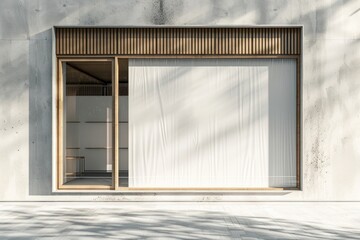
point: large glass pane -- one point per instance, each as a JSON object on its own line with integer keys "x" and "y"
{"x": 88, "y": 123}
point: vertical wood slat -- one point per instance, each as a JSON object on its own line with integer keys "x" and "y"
{"x": 278, "y": 41}
{"x": 69, "y": 41}
{"x": 221, "y": 41}
{"x": 160, "y": 41}
{"x": 106, "y": 41}
{"x": 91, "y": 40}
{"x": 57, "y": 43}
{"x": 70, "y": 38}
{"x": 184, "y": 41}
{"x": 98, "y": 41}
{"x": 288, "y": 49}
{"x": 60, "y": 33}
{"x": 246, "y": 42}
{"x": 290, "y": 41}
{"x": 102, "y": 41}
{"x": 235, "y": 41}
{"x": 130, "y": 41}
{"x": 88, "y": 41}
{"x": 179, "y": 41}
{"x": 81, "y": 39}
{"x": 65, "y": 41}
{"x": 202, "y": 41}
{"x": 181, "y": 45}
{"x": 119, "y": 41}
{"x": 149, "y": 40}
{"x": 283, "y": 40}
{"x": 141, "y": 41}
{"x": 263, "y": 41}
{"x": 110, "y": 41}
{"x": 134, "y": 42}
{"x": 176, "y": 45}
{"x": 271, "y": 41}
{"x": 95, "y": 41}
{"x": 253, "y": 41}
{"x": 211, "y": 41}
{"x": 194, "y": 45}
{"x": 74, "y": 41}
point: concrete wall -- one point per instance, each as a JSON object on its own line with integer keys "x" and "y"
{"x": 331, "y": 87}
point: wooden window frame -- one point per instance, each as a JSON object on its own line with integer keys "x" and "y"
{"x": 88, "y": 55}
{"x": 60, "y": 123}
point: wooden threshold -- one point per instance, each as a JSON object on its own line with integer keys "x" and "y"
{"x": 86, "y": 187}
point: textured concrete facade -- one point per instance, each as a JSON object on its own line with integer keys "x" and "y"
{"x": 330, "y": 87}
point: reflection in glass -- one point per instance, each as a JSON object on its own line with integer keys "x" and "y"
{"x": 123, "y": 123}
{"x": 88, "y": 123}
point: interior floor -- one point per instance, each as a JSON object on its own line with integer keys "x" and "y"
{"x": 100, "y": 179}
{"x": 90, "y": 181}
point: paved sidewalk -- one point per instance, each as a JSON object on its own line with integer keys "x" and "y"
{"x": 116, "y": 220}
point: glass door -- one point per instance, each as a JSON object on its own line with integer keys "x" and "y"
{"x": 87, "y": 124}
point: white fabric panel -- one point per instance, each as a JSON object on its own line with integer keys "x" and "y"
{"x": 211, "y": 122}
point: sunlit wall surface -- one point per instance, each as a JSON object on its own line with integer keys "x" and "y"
{"x": 330, "y": 90}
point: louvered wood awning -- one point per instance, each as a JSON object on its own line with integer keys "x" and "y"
{"x": 178, "y": 41}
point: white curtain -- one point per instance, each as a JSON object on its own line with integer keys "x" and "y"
{"x": 212, "y": 123}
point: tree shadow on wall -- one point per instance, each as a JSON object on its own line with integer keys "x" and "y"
{"x": 40, "y": 113}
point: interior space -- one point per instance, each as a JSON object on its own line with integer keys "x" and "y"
{"x": 89, "y": 123}
{"x": 182, "y": 123}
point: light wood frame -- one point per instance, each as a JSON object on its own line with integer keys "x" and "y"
{"x": 62, "y": 58}
{"x": 60, "y": 123}
{"x": 115, "y": 97}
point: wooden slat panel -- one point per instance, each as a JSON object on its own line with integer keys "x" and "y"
{"x": 88, "y": 40}
{"x": 58, "y": 43}
{"x": 178, "y": 41}
{"x": 92, "y": 41}
{"x": 263, "y": 38}
{"x": 65, "y": 44}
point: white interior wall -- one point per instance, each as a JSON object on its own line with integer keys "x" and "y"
{"x": 330, "y": 87}
{"x": 90, "y": 126}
